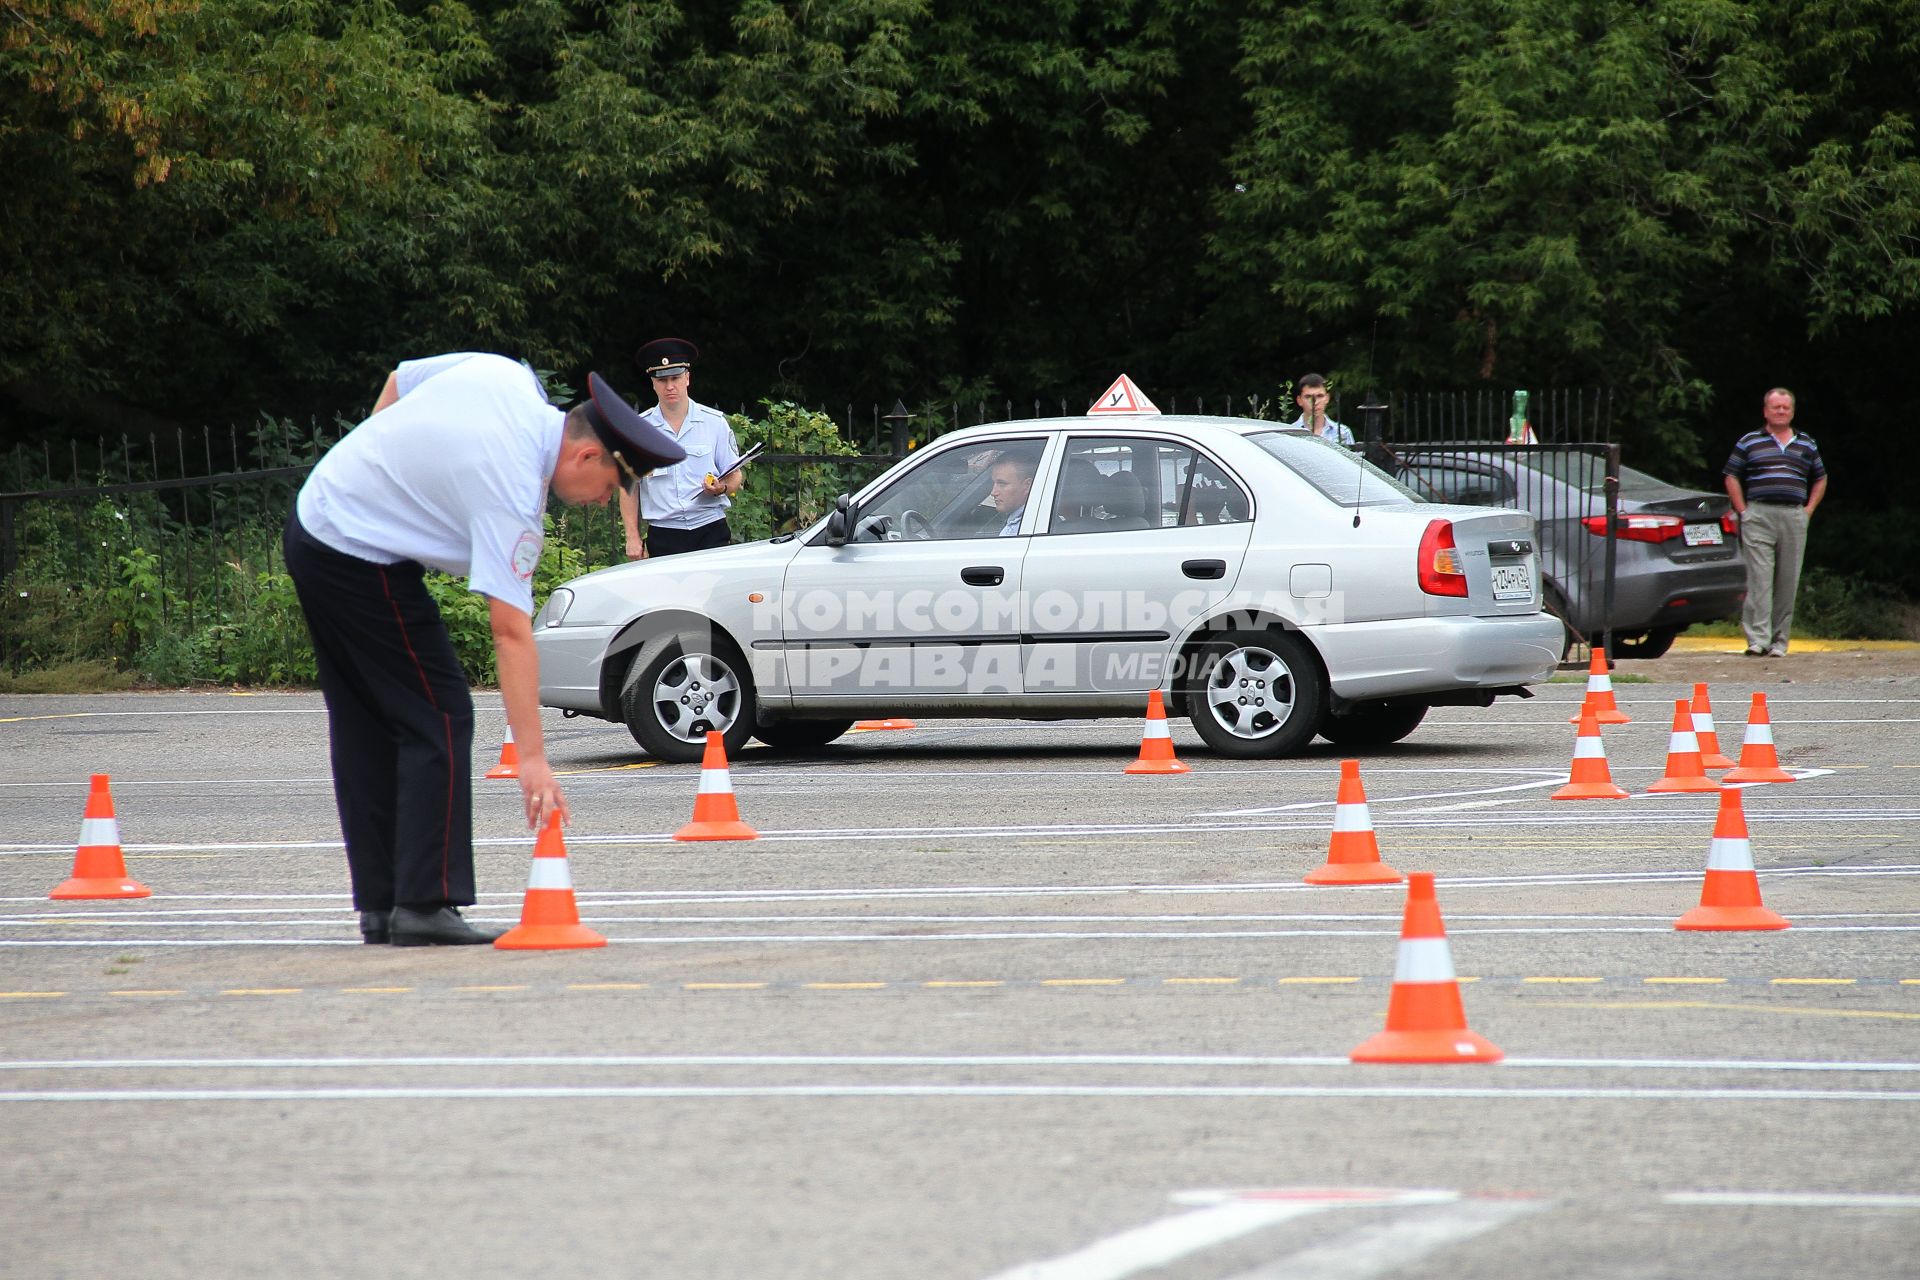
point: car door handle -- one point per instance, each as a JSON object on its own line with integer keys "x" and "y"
{"x": 1204, "y": 568}
{"x": 983, "y": 575}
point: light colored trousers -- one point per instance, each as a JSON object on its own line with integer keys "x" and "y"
{"x": 1772, "y": 541}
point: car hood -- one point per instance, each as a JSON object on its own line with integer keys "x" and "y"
{"x": 687, "y": 581}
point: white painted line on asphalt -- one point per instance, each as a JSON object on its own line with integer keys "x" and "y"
{"x": 1381, "y": 1247}
{"x": 1796, "y": 1199}
{"x": 1169, "y": 1239}
{"x": 1167, "y": 1092}
{"x": 783, "y": 1060}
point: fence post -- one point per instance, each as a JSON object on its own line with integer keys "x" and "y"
{"x": 897, "y": 420}
{"x": 9, "y": 553}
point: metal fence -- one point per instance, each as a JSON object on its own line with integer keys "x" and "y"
{"x": 179, "y": 530}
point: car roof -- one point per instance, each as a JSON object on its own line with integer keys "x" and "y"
{"x": 1194, "y": 426}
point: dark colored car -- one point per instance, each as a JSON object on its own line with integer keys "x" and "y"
{"x": 1677, "y": 554}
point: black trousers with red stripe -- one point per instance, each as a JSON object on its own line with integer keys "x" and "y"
{"x": 400, "y": 723}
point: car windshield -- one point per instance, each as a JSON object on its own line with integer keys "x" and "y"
{"x": 1336, "y": 471}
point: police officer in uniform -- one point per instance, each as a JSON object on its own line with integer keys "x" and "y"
{"x": 451, "y": 472}
{"x": 685, "y": 505}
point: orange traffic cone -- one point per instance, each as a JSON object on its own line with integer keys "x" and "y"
{"x": 99, "y": 870}
{"x": 890, "y": 722}
{"x": 1730, "y": 898}
{"x": 1758, "y": 761}
{"x": 1425, "y": 1019}
{"x": 1704, "y": 732}
{"x": 1600, "y": 694}
{"x": 1589, "y": 777}
{"x": 1683, "y": 756}
{"x": 549, "y": 918}
{"x": 715, "y": 814}
{"x": 1156, "y": 744}
{"x": 1354, "y": 856}
{"x": 509, "y": 766}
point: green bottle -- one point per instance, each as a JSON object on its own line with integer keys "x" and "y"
{"x": 1519, "y": 431}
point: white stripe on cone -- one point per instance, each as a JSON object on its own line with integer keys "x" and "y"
{"x": 1760, "y": 735}
{"x": 1602, "y": 683}
{"x": 1423, "y": 960}
{"x": 1730, "y": 853}
{"x": 550, "y": 873}
{"x": 1702, "y": 723}
{"x": 99, "y": 831}
{"x": 715, "y": 782}
{"x": 1351, "y": 817}
{"x": 1682, "y": 742}
{"x": 1587, "y": 747}
{"x": 1156, "y": 729}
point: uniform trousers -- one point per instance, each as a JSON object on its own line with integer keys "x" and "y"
{"x": 671, "y": 542}
{"x": 399, "y": 721}
{"x": 1773, "y": 540}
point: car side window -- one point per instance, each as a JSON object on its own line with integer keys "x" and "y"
{"x": 1110, "y": 483}
{"x": 1213, "y": 497}
{"x": 980, "y": 492}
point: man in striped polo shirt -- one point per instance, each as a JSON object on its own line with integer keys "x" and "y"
{"x": 1776, "y": 479}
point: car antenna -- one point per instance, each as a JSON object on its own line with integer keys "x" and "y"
{"x": 1368, "y": 410}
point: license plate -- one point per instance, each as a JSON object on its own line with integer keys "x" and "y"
{"x": 1703, "y": 535}
{"x": 1512, "y": 582}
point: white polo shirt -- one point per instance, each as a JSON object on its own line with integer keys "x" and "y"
{"x": 674, "y": 497}
{"x": 453, "y": 475}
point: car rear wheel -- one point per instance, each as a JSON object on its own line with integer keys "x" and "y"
{"x": 680, "y": 686}
{"x": 1551, "y": 601}
{"x": 1651, "y": 645}
{"x": 1260, "y": 694}
{"x": 1374, "y": 726}
{"x": 801, "y": 735}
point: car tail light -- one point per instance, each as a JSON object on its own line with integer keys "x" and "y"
{"x": 1730, "y": 525}
{"x": 1439, "y": 568}
{"x": 1639, "y": 528}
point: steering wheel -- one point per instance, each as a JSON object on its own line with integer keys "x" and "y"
{"x": 916, "y": 526}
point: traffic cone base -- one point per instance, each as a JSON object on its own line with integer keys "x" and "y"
{"x": 1156, "y": 743}
{"x": 1684, "y": 772}
{"x": 716, "y": 815}
{"x": 1669, "y": 786}
{"x": 1741, "y": 918}
{"x": 1730, "y": 895}
{"x": 1427, "y": 1047}
{"x": 509, "y": 766}
{"x": 549, "y": 917}
{"x": 99, "y": 868}
{"x": 1588, "y": 778}
{"x": 889, "y": 723}
{"x": 1353, "y": 855}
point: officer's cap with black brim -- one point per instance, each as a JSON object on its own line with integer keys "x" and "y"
{"x": 635, "y": 443}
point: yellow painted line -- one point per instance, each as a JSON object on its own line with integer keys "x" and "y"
{"x": 1735, "y": 1008}
{"x": 608, "y": 986}
{"x": 262, "y": 991}
{"x": 157, "y": 992}
{"x": 1309, "y": 982}
{"x": 1464, "y": 978}
{"x": 1082, "y": 982}
{"x": 1705, "y": 982}
{"x": 1811, "y": 982}
{"x": 30, "y": 995}
{"x": 844, "y": 986}
{"x": 1199, "y": 982}
{"x": 1910, "y": 982}
{"x": 68, "y": 715}
{"x": 977, "y": 982}
{"x": 515, "y": 987}
{"x": 721, "y": 986}
{"x": 374, "y": 991}
{"x": 612, "y": 768}
{"x": 1563, "y": 980}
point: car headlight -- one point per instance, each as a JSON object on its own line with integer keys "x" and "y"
{"x": 555, "y": 609}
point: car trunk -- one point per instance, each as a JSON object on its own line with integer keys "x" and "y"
{"x": 1500, "y": 552}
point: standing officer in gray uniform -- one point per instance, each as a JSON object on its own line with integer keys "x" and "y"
{"x": 452, "y": 472}
{"x": 685, "y": 505}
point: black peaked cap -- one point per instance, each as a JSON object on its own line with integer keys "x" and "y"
{"x": 628, "y": 436}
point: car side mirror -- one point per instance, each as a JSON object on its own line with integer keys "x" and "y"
{"x": 840, "y": 522}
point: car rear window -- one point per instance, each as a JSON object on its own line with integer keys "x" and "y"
{"x": 1342, "y": 475}
{"x": 1588, "y": 471}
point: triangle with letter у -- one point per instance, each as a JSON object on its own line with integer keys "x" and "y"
{"x": 1123, "y": 397}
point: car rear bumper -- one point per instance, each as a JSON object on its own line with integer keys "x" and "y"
{"x": 1437, "y": 655}
{"x": 1658, "y": 596}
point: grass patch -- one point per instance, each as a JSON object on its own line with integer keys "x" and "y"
{"x": 68, "y": 677}
{"x": 1568, "y": 677}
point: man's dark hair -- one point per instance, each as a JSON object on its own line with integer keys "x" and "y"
{"x": 1026, "y": 460}
{"x": 1310, "y": 380}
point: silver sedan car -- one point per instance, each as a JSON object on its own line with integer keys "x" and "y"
{"x": 1270, "y": 585}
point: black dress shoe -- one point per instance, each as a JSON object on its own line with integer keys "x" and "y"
{"x": 439, "y": 928}
{"x": 376, "y": 927}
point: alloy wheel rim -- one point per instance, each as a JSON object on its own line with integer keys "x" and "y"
{"x": 1250, "y": 692}
{"x": 696, "y": 694}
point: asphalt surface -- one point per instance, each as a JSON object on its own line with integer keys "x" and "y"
{"x": 976, "y": 1004}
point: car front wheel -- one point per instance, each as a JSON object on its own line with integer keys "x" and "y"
{"x": 1260, "y": 693}
{"x": 683, "y": 685}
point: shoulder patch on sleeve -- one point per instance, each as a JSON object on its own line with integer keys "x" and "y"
{"x": 526, "y": 555}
